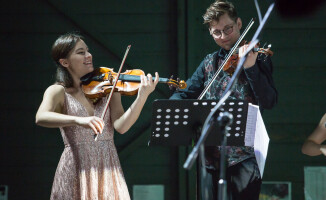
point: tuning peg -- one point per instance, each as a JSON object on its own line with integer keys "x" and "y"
{"x": 170, "y": 87}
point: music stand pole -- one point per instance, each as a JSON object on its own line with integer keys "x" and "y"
{"x": 224, "y": 120}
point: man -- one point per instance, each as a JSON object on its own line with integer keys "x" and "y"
{"x": 255, "y": 85}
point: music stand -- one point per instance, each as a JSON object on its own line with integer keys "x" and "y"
{"x": 176, "y": 122}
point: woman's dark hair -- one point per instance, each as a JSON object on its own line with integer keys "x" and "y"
{"x": 61, "y": 49}
{"x": 217, "y": 9}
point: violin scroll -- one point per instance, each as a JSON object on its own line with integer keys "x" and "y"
{"x": 267, "y": 51}
{"x": 176, "y": 84}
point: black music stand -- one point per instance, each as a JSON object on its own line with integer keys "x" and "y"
{"x": 177, "y": 122}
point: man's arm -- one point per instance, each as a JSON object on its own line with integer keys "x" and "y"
{"x": 313, "y": 145}
{"x": 261, "y": 82}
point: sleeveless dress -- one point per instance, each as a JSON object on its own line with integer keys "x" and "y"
{"x": 88, "y": 169}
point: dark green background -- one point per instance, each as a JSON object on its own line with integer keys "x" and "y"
{"x": 167, "y": 36}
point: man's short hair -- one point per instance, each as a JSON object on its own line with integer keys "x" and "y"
{"x": 217, "y": 9}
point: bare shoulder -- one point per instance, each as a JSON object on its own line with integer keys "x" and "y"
{"x": 323, "y": 119}
{"x": 319, "y": 134}
{"x": 55, "y": 89}
{"x": 55, "y": 93}
{"x": 53, "y": 99}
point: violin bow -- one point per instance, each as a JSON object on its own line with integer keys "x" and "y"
{"x": 114, "y": 85}
{"x": 227, "y": 58}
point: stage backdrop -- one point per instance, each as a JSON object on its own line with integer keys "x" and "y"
{"x": 167, "y": 36}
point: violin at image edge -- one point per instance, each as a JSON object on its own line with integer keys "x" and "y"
{"x": 99, "y": 83}
{"x": 232, "y": 63}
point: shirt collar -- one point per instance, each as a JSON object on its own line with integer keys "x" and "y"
{"x": 223, "y": 53}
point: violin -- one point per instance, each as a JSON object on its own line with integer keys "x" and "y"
{"x": 232, "y": 63}
{"x": 99, "y": 83}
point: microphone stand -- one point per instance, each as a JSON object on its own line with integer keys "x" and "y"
{"x": 224, "y": 119}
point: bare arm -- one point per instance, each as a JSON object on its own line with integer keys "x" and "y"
{"x": 313, "y": 145}
{"x": 50, "y": 114}
{"x": 122, "y": 121}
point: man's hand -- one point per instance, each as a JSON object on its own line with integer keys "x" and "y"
{"x": 251, "y": 57}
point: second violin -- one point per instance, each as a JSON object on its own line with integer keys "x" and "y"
{"x": 232, "y": 63}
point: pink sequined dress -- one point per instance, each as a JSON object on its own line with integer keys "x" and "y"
{"x": 88, "y": 169}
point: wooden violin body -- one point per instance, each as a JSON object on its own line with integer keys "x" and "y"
{"x": 99, "y": 83}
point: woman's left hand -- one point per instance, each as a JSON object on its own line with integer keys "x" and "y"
{"x": 147, "y": 85}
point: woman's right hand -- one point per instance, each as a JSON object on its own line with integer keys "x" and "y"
{"x": 92, "y": 122}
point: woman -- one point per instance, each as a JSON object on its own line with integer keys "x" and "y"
{"x": 313, "y": 145}
{"x": 88, "y": 169}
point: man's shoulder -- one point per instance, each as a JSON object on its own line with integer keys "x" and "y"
{"x": 212, "y": 55}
